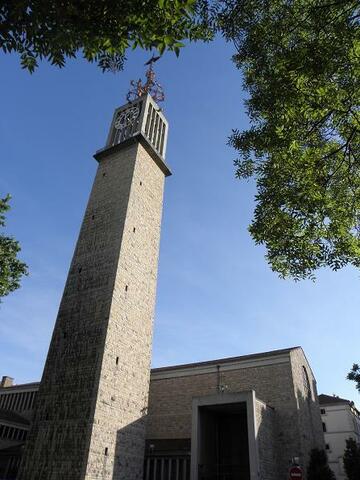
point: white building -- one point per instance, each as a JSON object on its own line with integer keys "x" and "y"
{"x": 341, "y": 420}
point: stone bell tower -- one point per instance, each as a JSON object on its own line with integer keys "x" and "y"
{"x": 91, "y": 407}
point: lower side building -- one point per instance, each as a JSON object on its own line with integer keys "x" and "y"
{"x": 16, "y": 409}
{"x": 340, "y": 421}
{"x": 248, "y": 417}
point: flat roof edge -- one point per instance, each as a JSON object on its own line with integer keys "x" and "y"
{"x": 227, "y": 359}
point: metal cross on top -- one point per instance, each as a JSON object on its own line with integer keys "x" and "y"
{"x": 151, "y": 86}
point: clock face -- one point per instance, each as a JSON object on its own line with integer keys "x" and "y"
{"x": 126, "y": 118}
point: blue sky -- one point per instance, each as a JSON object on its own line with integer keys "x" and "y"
{"x": 217, "y": 297}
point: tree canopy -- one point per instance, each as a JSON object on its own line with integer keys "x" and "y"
{"x": 318, "y": 468}
{"x": 352, "y": 459}
{"x": 354, "y": 375}
{"x": 11, "y": 268}
{"x": 301, "y": 67}
{"x": 300, "y": 62}
{"x": 102, "y": 30}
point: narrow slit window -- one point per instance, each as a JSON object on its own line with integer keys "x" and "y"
{"x": 158, "y": 140}
{"x": 162, "y": 140}
{"x": 148, "y": 120}
{"x": 155, "y": 130}
{"x": 152, "y": 124}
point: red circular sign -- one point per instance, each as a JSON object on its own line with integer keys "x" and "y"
{"x": 295, "y": 473}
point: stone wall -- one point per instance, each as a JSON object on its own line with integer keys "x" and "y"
{"x": 275, "y": 381}
{"x": 309, "y": 418}
{"x": 265, "y": 432}
{"x": 89, "y": 417}
{"x": 119, "y": 421}
{"x": 171, "y": 398}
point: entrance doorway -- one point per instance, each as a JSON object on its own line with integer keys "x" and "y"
{"x": 223, "y": 438}
{"x": 224, "y": 447}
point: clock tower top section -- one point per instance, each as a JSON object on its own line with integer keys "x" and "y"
{"x": 140, "y": 120}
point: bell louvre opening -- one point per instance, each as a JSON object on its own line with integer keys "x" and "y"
{"x": 142, "y": 116}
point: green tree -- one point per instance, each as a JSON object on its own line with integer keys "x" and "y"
{"x": 318, "y": 468}
{"x": 354, "y": 375}
{"x": 300, "y": 61}
{"x": 352, "y": 460}
{"x": 101, "y": 29}
{"x": 11, "y": 268}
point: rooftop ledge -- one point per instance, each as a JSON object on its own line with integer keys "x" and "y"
{"x": 139, "y": 137}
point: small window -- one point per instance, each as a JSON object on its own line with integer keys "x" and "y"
{"x": 327, "y": 446}
{"x": 117, "y": 360}
{"x": 126, "y": 288}
{"x": 106, "y": 451}
{"x": 134, "y": 230}
{"x": 324, "y": 426}
{"x": 322, "y": 411}
{"x": 140, "y": 184}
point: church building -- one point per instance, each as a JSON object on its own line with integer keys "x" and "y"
{"x": 100, "y": 413}
{"x": 240, "y": 418}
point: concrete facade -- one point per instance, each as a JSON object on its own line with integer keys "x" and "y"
{"x": 89, "y": 421}
{"x": 341, "y": 421}
{"x": 16, "y": 411}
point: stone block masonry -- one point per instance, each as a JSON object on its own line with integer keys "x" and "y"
{"x": 288, "y": 419}
{"x": 89, "y": 417}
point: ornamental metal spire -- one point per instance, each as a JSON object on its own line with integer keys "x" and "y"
{"x": 151, "y": 86}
